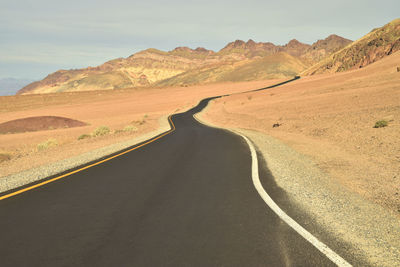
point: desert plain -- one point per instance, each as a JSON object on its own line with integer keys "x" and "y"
{"x": 127, "y": 113}
{"x": 331, "y": 118}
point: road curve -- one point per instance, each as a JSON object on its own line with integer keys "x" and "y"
{"x": 186, "y": 199}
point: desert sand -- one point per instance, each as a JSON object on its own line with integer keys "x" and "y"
{"x": 331, "y": 119}
{"x": 136, "y": 110}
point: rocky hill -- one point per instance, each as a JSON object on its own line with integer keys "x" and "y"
{"x": 273, "y": 66}
{"x": 237, "y": 61}
{"x": 374, "y": 46}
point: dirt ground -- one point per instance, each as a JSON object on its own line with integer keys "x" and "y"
{"x": 127, "y": 113}
{"x": 39, "y": 123}
{"x": 330, "y": 118}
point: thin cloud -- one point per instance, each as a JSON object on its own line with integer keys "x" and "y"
{"x": 87, "y": 32}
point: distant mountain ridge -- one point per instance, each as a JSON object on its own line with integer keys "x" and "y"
{"x": 10, "y": 86}
{"x": 237, "y": 61}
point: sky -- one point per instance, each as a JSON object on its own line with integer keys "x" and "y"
{"x": 38, "y": 37}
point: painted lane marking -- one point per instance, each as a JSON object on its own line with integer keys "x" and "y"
{"x": 89, "y": 166}
{"x": 333, "y": 256}
{"x": 329, "y": 253}
{"x": 107, "y": 159}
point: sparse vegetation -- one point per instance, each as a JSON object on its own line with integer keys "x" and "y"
{"x": 249, "y": 97}
{"x": 4, "y": 156}
{"x": 381, "y": 123}
{"x": 130, "y": 128}
{"x": 47, "y": 144}
{"x": 100, "y": 131}
{"x": 84, "y": 136}
{"x": 143, "y": 120}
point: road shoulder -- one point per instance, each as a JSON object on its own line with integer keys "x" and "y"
{"x": 19, "y": 179}
{"x": 371, "y": 231}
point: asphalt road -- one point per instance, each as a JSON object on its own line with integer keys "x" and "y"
{"x": 186, "y": 199}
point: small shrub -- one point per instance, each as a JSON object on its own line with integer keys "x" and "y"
{"x": 145, "y": 116}
{"x": 129, "y": 128}
{"x": 380, "y": 124}
{"x": 249, "y": 97}
{"x": 100, "y": 131}
{"x": 84, "y": 136}
{"x": 398, "y": 69}
{"x": 47, "y": 144}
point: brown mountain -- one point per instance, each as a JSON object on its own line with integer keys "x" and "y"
{"x": 323, "y": 48}
{"x": 141, "y": 69}
{"x": 273, "y": 66}
{"x": 238, "y": 60}
{"x": 374, "y": 46}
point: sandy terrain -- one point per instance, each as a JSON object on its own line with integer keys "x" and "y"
{"x": 38, "y": 123}
{"x": 136, "y": 110}
{"x": 331, "y": 119}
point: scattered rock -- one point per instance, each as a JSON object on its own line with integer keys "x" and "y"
{"x": 276, "y": 125}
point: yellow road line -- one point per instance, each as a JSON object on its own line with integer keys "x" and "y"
{"x": 89, "y": 166}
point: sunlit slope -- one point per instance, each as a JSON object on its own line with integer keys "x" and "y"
{"x": 279, "y": 65}
{"x": 374, "y": 46}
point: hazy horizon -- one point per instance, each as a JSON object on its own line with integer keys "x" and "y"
{"x": 40, "y": 37}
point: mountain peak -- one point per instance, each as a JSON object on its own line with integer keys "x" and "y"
{"x": 202, "y": 50}
{"x": 235, "y": 44}
{"x": 182, "y": 49}
{"x": 331, "y": 44}
{"x": 250, "y": 42}
{"x": 294, "y": 43}
{"x": 238, "y": 43}
{"x": 377, "y": 44}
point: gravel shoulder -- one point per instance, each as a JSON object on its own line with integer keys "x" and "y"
{"x": 35, "y": 174}
{"x": 371, "y": 231}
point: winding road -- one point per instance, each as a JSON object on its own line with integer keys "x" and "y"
{"x": 185, "y": 198}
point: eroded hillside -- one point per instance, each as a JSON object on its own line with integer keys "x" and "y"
{"x": 237, "y": 61}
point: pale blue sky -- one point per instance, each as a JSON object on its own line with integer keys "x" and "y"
{"x": 38, "y": 37}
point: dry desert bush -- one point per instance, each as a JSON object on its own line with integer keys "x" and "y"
{"x": 100, "y": 131}
{"x": 47, "y": 144}
{"x": 380, "y": 124}
{"x": 84, "y": 136}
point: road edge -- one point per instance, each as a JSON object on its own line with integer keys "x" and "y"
{"x": 323, "y": 248}
{"x": 17, "y": 180}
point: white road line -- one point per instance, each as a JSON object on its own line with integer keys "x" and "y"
{"x": 335, "y": 258}
{"x": 329, "y": 253}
